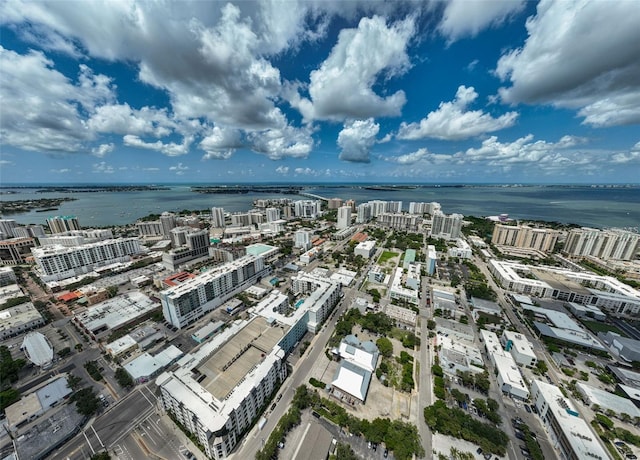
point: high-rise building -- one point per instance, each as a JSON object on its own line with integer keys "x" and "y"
{"x": 29, "y": 231}
{"x": 364, "y": 213}
{"x": 191, "y": 300}
{"x": 58, "y": 262}
{"x": 523, "y": 236}
{"x": 446, "y": 226}
{"x": 307, "y": 208}
{"x": 334, "y": 203}
{"x": 7, "y": 227}
{"x": 168, "y": 222}
{"x": 217, "y": 217}
{"x": 150, "y": 228}
{"x": 15, "y": 250}
{"x": 351, "y": 204}
{"x": 61, "y": 224}
{"x": 302, "y": 239}
{"x": 603, "y": 244}
{"x": 344, "y": 217}
{"x": 423, "y": 208}
{"x": 273, "y": 214}
{"x": 397, "y": 221}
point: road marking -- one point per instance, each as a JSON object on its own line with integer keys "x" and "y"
{"x": 96, "y": 433}
{"x": 85, "y": 437}
{"x": 145, "y": 396}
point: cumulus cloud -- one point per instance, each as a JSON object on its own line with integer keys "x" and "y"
{"x": 282, "y": 142}
{"x": 51, "y": 120}
{"x": 553, "y": 68}
{"x": 102, "y": 150}
{"x": 103, "y": 168}
{"x": 343, "y": 85}
{"x": 179, "y": 169}
{"x": 170, "y": 149}
{"x": 465, "y": 18}
{"x": 284, "y": 170}
{"x": 356, "y": 139}
{"x": 452, "y": 120}
{"x": 122, "y": 119}
{"x": 220, "y": 143}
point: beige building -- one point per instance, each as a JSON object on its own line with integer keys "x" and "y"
{"x": 525, "y": 237}
{"x": 604, "y": 244}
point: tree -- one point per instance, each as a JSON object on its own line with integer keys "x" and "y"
{"x": 8, "y": 397}
{"x": 345, "y": 452}
{"x": 123, "y": 378}
{"x": 86, "y": 401}
{"x": 101, "y": 456}
{"x": 431, "y": 324}
{"x": 385, "y": 346}
{"x": 541, "y": 367}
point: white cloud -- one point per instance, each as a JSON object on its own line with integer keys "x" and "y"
{"x": 122, "y": 119}
{"x": 411, "y": 158}
{"x": 170, "y": 149}
{"x": 579, "y": 55}
{"x": 284, "y": 170}
{"x": 356, "y": 139}
{"x": 103, "y": 168}
{"x": 282, "y": 142}
{"x": 467, "y": 18}
{"x": 220, "y": 143}
{"x": 633, "y": 155}
{"x": 6, "y": 163}
{"x": 343, "y": 85}
{"x": 102, "y": 150}
{"x": 180, "y": 169}
{"x": 452, "y": 120}
{"x": 60, "y": 171}
{"x": 45, "y": 117}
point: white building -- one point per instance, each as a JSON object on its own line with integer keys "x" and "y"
{"x": 323, "y": 295}
{"x": 423, "y": 208}
{"x": 358, "y": 360}
{"x": 509, "y": 378}
{"x": 364, "y": 213}
{"x": 568, "y": 432}
{"x": 58, "y": 262}
{"x": 432, "y": 258}
{"x": 445, "y": 226}
{"x": 344, "y": 217}
{"x": 7, "y": 276}
{"x": 604, "y": 244}
{"x": 217, "y": 217}
{"x": 519, "y": 347}
{"x": 273, "y": 214}
{"x": 462, "y": 250}
{"x": 308, "y": 209}
{"x": 191, "y": 300}
{"x": 19, "y": 319}
{"x": 76, "y": 237}
{"x": 7, "y": 227}
{"x": 593, "y": 396}
{"x": 365, "y": 249}
{"x": 309, "y": 256}
{"x": 38, "y": 349}
{"x": 398, "y": 221}
{"x": 302, "y": 239}
{"x": 399, "y": 292}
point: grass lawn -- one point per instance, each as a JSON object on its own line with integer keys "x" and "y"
{"x": 596, "y": 326}
{"x": 386, "y": 256}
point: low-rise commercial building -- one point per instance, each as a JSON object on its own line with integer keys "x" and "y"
{"x": 399, "y": 292}
{"x": 365, "y": 249}
{"x": 358, "y": 360}
{"x": 19, "y": 319}
{"x": 520, "y": 348}
{"x": 568, "y": 432}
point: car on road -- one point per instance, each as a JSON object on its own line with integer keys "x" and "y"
{"x": 386, "y": 453}
{"x": 527, "y": 408}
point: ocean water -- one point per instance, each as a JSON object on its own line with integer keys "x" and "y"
{"x": 582, "y": 205}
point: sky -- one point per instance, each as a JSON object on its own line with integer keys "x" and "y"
{"x": 461, "y": 91}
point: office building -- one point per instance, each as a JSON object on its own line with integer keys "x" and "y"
{"x": 7, "y": 276}
{"x": 445, "y": 226}
{"x": 432, "y": 258}
{"x": 399, "y": 292}
{"x": 7, "y": 227}
{"x": 344, "y": 217}
{"x": 189, "y": 245}
{"x": 364, "y": 213}
{"x": 61, "y": 224}
{"x": 520, "y": 348}
{"x": 568, "y": 432}
{"x": 185, "y": 303}
{"x": 150, "y": 229}
{"x": 58, "y": 262}
{"x": 217, "y": 218}
{"x": 525, "y": 237}
{"x": 603, "y": 244}
{"x": 365, "y": 249}
{"x": 16, "y": 250}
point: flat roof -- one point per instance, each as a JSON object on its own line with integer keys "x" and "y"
{"x": 607, "y": 400}
{"x": 577, "y": 337}
{"x": 18, "y": 315}
{"x": 146, "y": 365}
{"x": 259, "y": 249}
{"x": 228, "y": 365}
{"x": 117, "y": 311}
{"x": 559, "y": 319}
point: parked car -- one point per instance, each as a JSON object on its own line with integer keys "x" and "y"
{"x": 527, "y": 408}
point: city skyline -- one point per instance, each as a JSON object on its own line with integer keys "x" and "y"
{"x": 248, "y": 92}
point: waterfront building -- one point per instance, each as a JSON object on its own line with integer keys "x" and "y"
{"x": 568, "y": 431}
{"x": 241, "y": 219}
{"x": 217, "y": 217}
{"x": 7, "y": 227}
{"x": 364, "y": 213}
{"x": 185, "y": 303}
{"x": 351, "y": 204}
{"x": 424, "y": 208}
{"x": 525, "y": 237}
{"x": 334, "y": 203}
{"x": 445, "y": 226}
{"x": 150, "y": 229}
{"x": 16, "y": 250}
{"x": 58, "y": 262}
{"x": 344, "y": 217}
{"x": 378, "y": 207}
{"x": 61, "y": 224}
{"x": 604, "y": 244}
{"x": 168, "y": 221}
{"x": 309, "y": 209}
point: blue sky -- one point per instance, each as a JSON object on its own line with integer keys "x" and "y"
{"x": 318, "y": 91}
